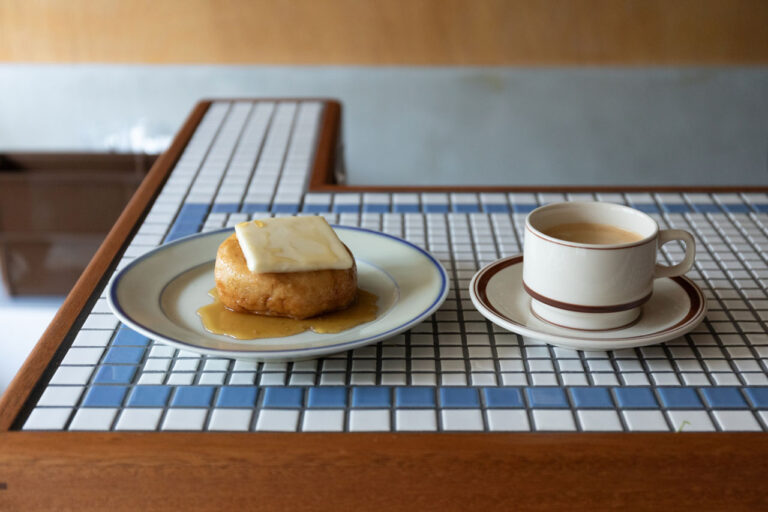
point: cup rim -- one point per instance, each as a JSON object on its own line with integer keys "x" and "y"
{"x": 597, "y": 247}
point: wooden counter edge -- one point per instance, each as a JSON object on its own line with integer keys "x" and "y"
{"x": 47, "y": 348}
{"x": 383, "y": 471}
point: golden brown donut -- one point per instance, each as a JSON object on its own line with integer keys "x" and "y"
{"x": 292, "y": 294}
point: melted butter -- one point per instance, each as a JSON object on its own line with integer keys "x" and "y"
{"x": 218, "y": 319}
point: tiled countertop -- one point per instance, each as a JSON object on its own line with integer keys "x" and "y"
{"x": 454, "y": 372}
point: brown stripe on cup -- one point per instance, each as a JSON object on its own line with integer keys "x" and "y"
{"x": 586, "y": 309}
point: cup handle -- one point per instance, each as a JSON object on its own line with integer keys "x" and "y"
{"x": 668, "y": 235}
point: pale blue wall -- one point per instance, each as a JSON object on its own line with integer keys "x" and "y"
{"x": 438, "y": 125}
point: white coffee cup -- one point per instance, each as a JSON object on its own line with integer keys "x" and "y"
{"x": 589, "y": 286}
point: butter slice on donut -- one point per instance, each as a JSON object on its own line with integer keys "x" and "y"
{"x": 291, "y": 244}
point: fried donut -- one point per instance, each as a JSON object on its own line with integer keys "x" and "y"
{"x": 291, "y": 294}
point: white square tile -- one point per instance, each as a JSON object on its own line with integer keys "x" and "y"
{"x": 242, "y": 378}
{"x": 92, "y": 338}
{"x": 230, "y": 419}
{"x": 212, "y": 378}
{"x": 77, "y": 355}
{"x": 323, "y": 420}
{"x": 514, "y": 379}
{"x": 462, "y": 419}
{"x": 139, "y": 419}
{"x": 635, "y": 379}
{"x": 508, "y": 420}
{"x": 369, "y": 420}
{"x": 645, "y": 421}
{"x": 93, "y": 418}
{"x": 151, "y": 378}
{"x": 726, "y": 379}
{"x": 734, "y": 421}
{"x": 181, "y": 378}
{"x": 665, "y": 379}
{"x": 61, "y": 395}
{"x": 157, "y": 365}
{"x": 574, "y": 379}
{"x": 601, "y": 421}
{"x": 302, "y": 379}
{"x": 453, "y": 379}
{"x": 185, "y": 365}
{"x": 184, "y": 419}
{"x": 424, "y": 379}
{"x": 764, "y": 416}
{"x": 690, "y": 421}
{"x": 47, "y": 418}
{"x": 392, "y": 379}
{"x": 552, "y": 419}
{"x": 544, "y": 379}
{"x": 484, "y": 379}
{"x": 416, "y": 420}
{"x": 72, "y": 375}
{"x": 604, "y": 379}
{"x": 278, "y": 420}
{"x": 162, "y": 351}
{"x": 695, "y": 379}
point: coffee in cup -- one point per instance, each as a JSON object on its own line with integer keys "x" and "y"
{"x": 591, "y": 265}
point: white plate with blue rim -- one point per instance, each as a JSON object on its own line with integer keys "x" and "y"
{"x": 158, "y": 294}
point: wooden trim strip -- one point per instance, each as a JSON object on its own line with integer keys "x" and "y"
{"x": 400, "y": 471}
{"x": 325, "y": 157}
{"x": 52, "y": 345}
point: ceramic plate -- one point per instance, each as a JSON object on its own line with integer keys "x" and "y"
{"x": 159, "y": 293}
{"x": 676, "y": 306}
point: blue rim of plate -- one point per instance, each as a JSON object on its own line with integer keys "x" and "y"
{"x": 126, "y": 319}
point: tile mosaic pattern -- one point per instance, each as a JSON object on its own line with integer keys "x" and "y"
{"x": 454, "y": 372}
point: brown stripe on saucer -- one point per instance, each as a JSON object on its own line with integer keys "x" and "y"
{"x": 585, "y": 309}
{"x": 487, "y": 273}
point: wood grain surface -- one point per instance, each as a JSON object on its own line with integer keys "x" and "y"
{"x": 209, "y": 471}
{"x": 393, "y": 32}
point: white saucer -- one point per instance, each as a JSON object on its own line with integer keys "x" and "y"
{"x": 676, "y": 307}
{"x": 159, "y": 293}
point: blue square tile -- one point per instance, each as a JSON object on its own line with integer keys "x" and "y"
{"x": 591, "y": 398}
{"x": 255, "y": 207}
{"x": 125, "y": 355}
{"x": 524, "y": 208}
{"x": 192, "y": 396}
{"x": 646, "y": 207}
{"x": 724, "y": 398}
{"x": 466, "y": 208}
{"x": 105, "y": 396}
{"x": 503, "y": 397}
{"x": 761, "y": 207}
{"x": 436, "y": 208}
{"x": 737, "y": 208}
{"x": 346, "y": 208}
{"x": 316, "y": 208}
{"x": 635, "y": 398}
{"x": 758, "y": 397}
{"x": 226, "y": 208}
{"x": 335, "y": 396}
{"x": 373, "y": 396}
{"x": 546, "y": 397}
{"x": 415, "y": 397}
{"x": 115, "y": 374}
{"x": 283, "y": 397}
{"x": 680, "y": 398}
{"x": 675, "y": 208}
{"x": 706, "y": 208}
{"x": 496, "y": 208}
{"x": 406, "y": 208}
{"x": 149, "y": 396}
{"x": 237, "y": 396}
{"x": 126, "y": 336}
{"x": 459, "y": 397}
{"x": 376, "y": 208}
{"x": 194, "y": 210}
{"x": 285, "y": 208}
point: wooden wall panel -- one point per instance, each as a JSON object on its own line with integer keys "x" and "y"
{"x": 386, "y": 32}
